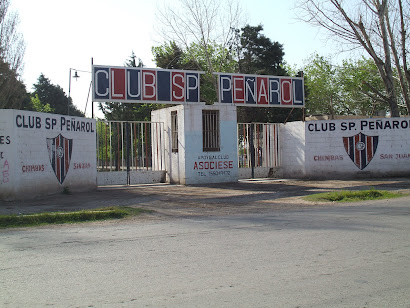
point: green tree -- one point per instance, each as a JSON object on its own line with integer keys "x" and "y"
{"x": 323, "y": 84}
{"x": 343, "y": 90}
{"x": 379, "y": 28}
{"x": 170, "y": 55}
{"x": 217, "y": 56}
{"x": 37, "y": 105}
{"x": 54, "y": 96}
{"x": 258, "y": 54}
{"x": 13, "y": 94}
{"x": 128, "y": 111}
{"x": 357, "y": 81}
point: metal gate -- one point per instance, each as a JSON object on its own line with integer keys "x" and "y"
{"x": 258, "y": 145}
{"x": 130, "y": 146}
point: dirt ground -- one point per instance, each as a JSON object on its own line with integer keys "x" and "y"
{"x": 245, "y": 196}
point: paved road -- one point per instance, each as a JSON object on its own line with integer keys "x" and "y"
{"x": 339, "y": 256}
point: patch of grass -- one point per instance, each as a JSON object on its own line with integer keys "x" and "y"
{"x": 115, "y": 212}
{"x": 352, "y": 196}
{"x": 66, "y": 190}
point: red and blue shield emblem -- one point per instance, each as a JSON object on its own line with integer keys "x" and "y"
{"x": 361, "y": 148}
{"x": 59, "y": 151}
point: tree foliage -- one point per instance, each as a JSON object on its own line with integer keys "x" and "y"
{"x": 37, "y": 105}
{"x": 13, "y": 93}
{"x": 170, "y": 56}
{"x": 54, "y": 96}
{"x": 12, "y": 46}
{"x": 249, "y": 51}
{"x": 377, "y": 27}
{"x": 357, "y": 79}
{"x": 258, "y": 54}
{"x": 128, "y": 111}
{"x": 342, "y": 90}
{"x": 323, "y": 84}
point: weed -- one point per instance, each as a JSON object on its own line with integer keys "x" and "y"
{"x": 10, "y": 221}
{"x": 66, "y": 190}
{"x": 351, "y": 196}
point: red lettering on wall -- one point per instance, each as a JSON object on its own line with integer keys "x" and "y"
{"x": 213, "y": 165}
{"x": 32, "y": 168}
{"x": 6, "y": 168}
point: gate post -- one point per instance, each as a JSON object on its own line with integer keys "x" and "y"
{"x": 252, "y": 149}
{"x": 128, "y": 141}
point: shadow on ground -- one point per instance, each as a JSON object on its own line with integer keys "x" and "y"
{"x": 209, "y": 199}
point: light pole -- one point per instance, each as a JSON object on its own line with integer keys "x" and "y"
{"x": 69, "y": 89}
{"x": 69, "y": 85}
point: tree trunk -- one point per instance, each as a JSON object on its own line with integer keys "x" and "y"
{"x": 403, "y": 83}
{"x": 403, "y": 49}
{"x": 391, "y": 93}
{"x": 360, "y": 30}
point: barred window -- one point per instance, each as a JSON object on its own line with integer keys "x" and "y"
{"x": 174, "y": 131}
{"x": 210, "y": 130}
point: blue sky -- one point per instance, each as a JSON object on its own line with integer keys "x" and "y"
{"x": 66, "y": 34}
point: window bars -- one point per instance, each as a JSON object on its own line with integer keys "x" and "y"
{"x": 174, "y": 131}
{"x": 210, "y": 130}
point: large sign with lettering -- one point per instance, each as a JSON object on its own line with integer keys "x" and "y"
{"x": 41, "y": 153}
{"x": 141, "y": 85}
{"x": 147, "y": 85}
{"x": 213, "y": 165}
{"x": 378, "y": 146}
{"x": 261, "y": 90}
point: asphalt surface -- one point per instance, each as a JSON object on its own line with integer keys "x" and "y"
{"x": 249, "y": 244}
{"x": 339, "y": 256}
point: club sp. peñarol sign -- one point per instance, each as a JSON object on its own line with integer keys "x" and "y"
{"x": 138, "y": 85}
{"x": 261, "y": 90}
{"x": 379, "y": 146}
{"x": 41, "y": 153}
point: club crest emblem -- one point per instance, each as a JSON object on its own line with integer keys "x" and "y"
{"x": 361, "y": 149}
{"x": 59, "y": 152}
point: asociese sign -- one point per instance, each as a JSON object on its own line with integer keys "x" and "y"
{"x": 138, "y": 85}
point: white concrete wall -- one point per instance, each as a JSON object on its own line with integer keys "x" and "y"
{"x": 292, "y": 140}
{"x": 136, "y": 177}
{"x": 326, "y": 156}
{"x": 25, "y": 164}
{"x": 191, "y": 165}
{"x": 7, "y": 155}
{"x": 211, "y": 167}
{"x": 174, "y": 161}
{"x": 315, "y": 149}
{"x": 260, "y": 172}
